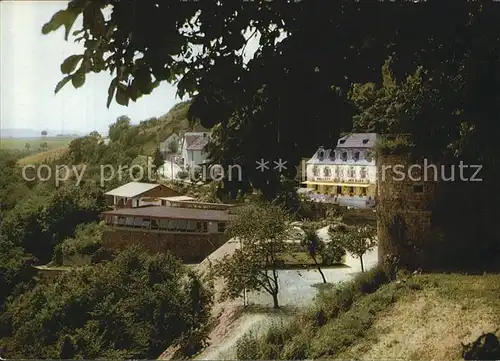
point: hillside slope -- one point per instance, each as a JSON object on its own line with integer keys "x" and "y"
{"x": 416, "y": 317}
{"x": 431, "y": 322}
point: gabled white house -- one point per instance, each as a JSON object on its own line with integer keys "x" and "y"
{"x": 166, "y": 144}
{"x": 193, "y": 149}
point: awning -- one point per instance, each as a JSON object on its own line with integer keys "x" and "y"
{"x": 362, "y": 185}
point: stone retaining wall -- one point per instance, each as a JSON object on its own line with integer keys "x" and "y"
{"x": 189, "y": 247}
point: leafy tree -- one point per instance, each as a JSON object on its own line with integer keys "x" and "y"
{"x": 133, "y": 307}
{"x": 27, "y": 146}
{"x": 86, "y": 150}
{"x": 173, "y": 146}
{"x": 119, "y": 128}
{"x": 85, "y": 242}
{"x": 356, "y": 240}
{"x": 332, "y": 253}
{"x": 247, "y": 97}
{"x": 13, "y": 187}
{"x": 263, "y": 230}
{"x": 39, "y": 222}
{"x": 16, "y": 270}
{"x": 314, "y": 246}
{"x": 44, "y": 145}
{"x": 158, "y": 160}
{"x": 44, "y": 133}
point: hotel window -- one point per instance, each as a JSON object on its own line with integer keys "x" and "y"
{"x": 315, "y": 171}
{"x": 356, "y": 156}
{"x": 352, "y": 173}
{"x": 362, "y": 173}
{"x": 344, "y": 156}
{"x": 327, "y": 172}
{"x": 337, "y": 171}
{"x": 332, "y": 155}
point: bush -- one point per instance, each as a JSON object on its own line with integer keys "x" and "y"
{"x": 332, "y": 253}
{"x": 103, "y": 255}
{"x": 182, "y": 174}
{"x": 133, "y": 307}
{"x": 247, "y": 348}
{"x": 370, "y": 281}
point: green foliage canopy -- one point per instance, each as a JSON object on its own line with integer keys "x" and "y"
{"x": 135, "y": 306}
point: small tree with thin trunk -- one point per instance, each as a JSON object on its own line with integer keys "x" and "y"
{"x": 173, "y": 146}
{"x": 313, "y": 245}
{"x": 262, "y": 230}
{"x": 358, "y": 240}
{"x": 158, "y": 160}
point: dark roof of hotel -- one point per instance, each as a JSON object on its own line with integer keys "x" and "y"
{"x": 358, "y": 140}
{"x": 172, "y": 213}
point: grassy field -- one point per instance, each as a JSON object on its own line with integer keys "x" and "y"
{"x": 39, "y": 158}
{"x": 34, "y": 143}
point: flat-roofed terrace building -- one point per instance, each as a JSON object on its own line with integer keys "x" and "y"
{"x": 138, "y": 194}
{"x": 190, "y": 234}
{"x": 188, "y": 202}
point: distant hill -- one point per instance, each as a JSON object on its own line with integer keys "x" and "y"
{"x": 33, "y": 133}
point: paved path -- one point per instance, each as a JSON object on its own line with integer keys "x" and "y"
{"x": 296, "y": 290}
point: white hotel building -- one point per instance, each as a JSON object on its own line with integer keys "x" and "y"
{"x": 347, "y": 174}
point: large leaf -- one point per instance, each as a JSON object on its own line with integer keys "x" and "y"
{"x": 62, "y": 83}
{"x": 144, "y": 80}
{"x": 70, "y": 64}
{"x": 64, "y": 18}
{"x": 111, "y": 91}
{"x": 122, "y": 97}
{"x": 78, "y": 79}
{"x": 134, "y": 91}
{"x": 93, "y": 19}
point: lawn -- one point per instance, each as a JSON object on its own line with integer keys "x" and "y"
{"x": 34, "y": 143}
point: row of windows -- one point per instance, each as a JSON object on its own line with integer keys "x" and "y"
{"x": 339, "y": 172}
{"x": 344, "y": 155}
{"x": 172, "y": 225}
{"x": 341, "y": 191}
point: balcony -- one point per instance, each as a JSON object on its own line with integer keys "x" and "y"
{"x": 346, "y": 201}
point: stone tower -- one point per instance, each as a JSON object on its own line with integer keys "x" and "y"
{"x": 406, "y": 192}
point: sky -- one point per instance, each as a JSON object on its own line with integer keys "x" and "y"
{"x": 30, "y": 69}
